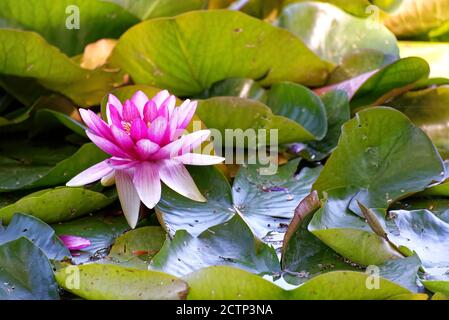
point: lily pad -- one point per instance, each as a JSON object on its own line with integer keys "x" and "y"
{"x": 31, "y": 165}
{"x": 38, "y": 232}
{"x": 232, "y": 114}
{"x": 97, "y": 20}
{"x": 226, "y": 283}
{"x": 348, "y": 234}
{"x": 377, "y": 141}
{"x": 100, "y": 229}
{"x": 304, "y": 255}
{"x": 375, "y": 87}
{"x": 266, "y": 203}
{"x": 190, "y": 69}
{"x": 332, "y": 33}
{"x": 235, "y": 87}
{"x": 21, "y": 56}
{"x": 58, "y": 204}
{"x": 137, "y": 247}
{"x": 149, "y": 9}
{"x": 25, "y": 272}
{"x": 230, "y": 243}
{"x": 110, "y": 282}
{"x": 300, "y": 104}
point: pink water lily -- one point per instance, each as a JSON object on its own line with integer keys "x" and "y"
{"x": 146, "y": 140}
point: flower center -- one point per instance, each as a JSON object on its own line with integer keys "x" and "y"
{"x": 126, "y": 127}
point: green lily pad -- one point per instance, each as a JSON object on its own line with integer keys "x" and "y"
{"x": 378, "y": 141}
{"x": 38, "y": 232}
{"x": 137, "y": 247}
{"x": 235, "y": 87}
{"x": 25, "y": 272}
{"x": 355, "y": 7}
{"x": 418, "y": 230}
{"x": 338, "y": 112}
{"x": 232, "y": 113}
{"x": 304, "y": 255}
{"x": 100, "y": 229}
{"x": 266, "y": 203}
{"x": 31, "y": 165}
{"x": 58, "y": 204}
{"x": 230, "y": 243}
{"x": 402, "y": 271}
{"x": 436, "y": 286}
{"x": 332, "y": 33}
{"x": 190, "y": 69}
{"x": 97, "y": 20}
{"x": 149, "y": 9}
{"x": 300, "y": 104}
{"x": 375, "y": 87}
{"x": 348, "y": 234}
{"x": 26, "y": 54}
{"x": 226, "y": 283}
{"x": 110, "y": 282}
{"x": 48, "y": 118}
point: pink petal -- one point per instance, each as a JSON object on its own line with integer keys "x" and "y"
{"x": 74, "y": 242}
{"x": 169, "y": 104}
{"x": 129, "y": 199}
{"x": 149, "y": 111}
{"x": 116, "y": 103}
{"x": 183, "y": 145}
{"x": 123, "y": 140}
{"x": 157, "y": 132}
{"x": 121, "y": 164}
{"x": 175, "y": 176}
{"x": 139, "y": 99}
{"x": 194, "y": 140}
{"x": 91, "y": 174}
{"x": 113, "y": 115}
{"x": 95, "y": 123}
{"x": 147, "y": 183}
{"x": 185, "y": 113}
{"x": 160, "y": 97}
{"x": 107, "y": 146}
{"x": 197, "y": 159}
{"x": 146, "y": 148}
{"x": 130, "y": 111}
{"x": 139, "y": 129}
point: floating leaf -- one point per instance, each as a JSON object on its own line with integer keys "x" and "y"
{"x": 226, "y": 283}
{"x": 100, "y": 229}
{"x": 230, "y": 243}
{"x": 303, "y": 255}
{"x": 189, "y": 69}
{"x": 376, "y": 141}
{"x": 239, "y": 115}
{"x": 31, "y": 165}
{"x": 332, "y": 33}
{"x": 25, "y": 272}
{"x": 377, "y": 86}
{"x": 58, "y": 204}
{"x": 39, "y": 233}
{"x": 148, "y": 9}
{"x": 21, "y": 56}
{"x": 135, "y": 248}
{"x": 110, "y": 282}
{"x": 266, "y": 203}
{"x": 96, "y": 20}
{"x": 300, "y": 104}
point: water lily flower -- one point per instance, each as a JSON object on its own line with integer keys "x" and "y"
{"x": 74, "y": 243}
{"x": 146, "y": 140}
